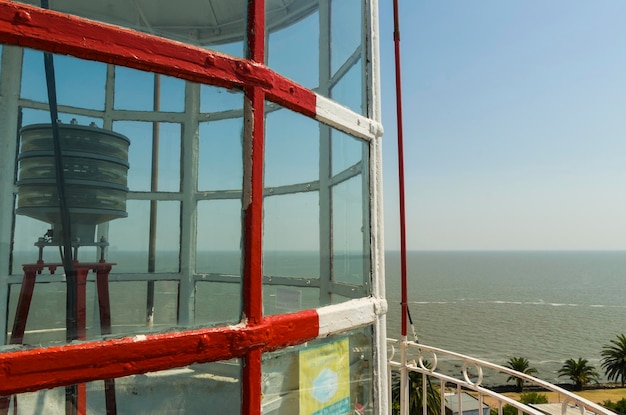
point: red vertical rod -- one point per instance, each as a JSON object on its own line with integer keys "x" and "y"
{"x": 254, "y": 143}
{"x": 104, "y": 307}
{"x": 81, "y": 328}
{"x": 81, "y": 301}
{"x": 253, "y": 188}
{"x": 19, "y": 323}
{"x": 23, "y": 305}
{"x": 396, "y": 41}
{"x": 104, "y": 302}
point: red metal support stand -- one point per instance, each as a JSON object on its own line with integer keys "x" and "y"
{"x": 102, "y": 270}
{"x": 104, "y": 306}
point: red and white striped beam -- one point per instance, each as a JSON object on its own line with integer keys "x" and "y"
{"x": 34, "y": 369}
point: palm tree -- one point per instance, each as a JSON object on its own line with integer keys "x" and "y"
{"x": 614, "y": 359}
{"x": 579, "y": 372}
{"x": 522, "y": 365}
{"x": 433, "y": 397}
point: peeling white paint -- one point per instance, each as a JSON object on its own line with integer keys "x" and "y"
{"x": 349, "y": 315}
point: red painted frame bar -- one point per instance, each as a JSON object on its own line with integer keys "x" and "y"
{"x": 55, "y": 32}
{"x": 254, "y": 155}
{"x": 51, "y": 367}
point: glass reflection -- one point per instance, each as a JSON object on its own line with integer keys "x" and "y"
{"x": 331, "y": 375}
{"x": 152, "y": 280}
{"x": 186, "y": 390}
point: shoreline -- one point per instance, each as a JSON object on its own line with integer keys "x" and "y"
{"x": 597, "y": 393}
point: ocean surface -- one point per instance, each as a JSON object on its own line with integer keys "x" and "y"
{"x": 545, "y": 306}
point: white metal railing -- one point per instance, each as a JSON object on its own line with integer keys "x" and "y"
{"x": 435, "y": 384}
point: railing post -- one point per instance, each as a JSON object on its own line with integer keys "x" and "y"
{"x": 424, "y": 394}
{"x": 404, "y": 379}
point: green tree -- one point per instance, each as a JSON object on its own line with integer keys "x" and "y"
{"x": 533, "y": 397}
{"x": 578, "y": 371}
{"x": 619, "y": 406}
{"x": 525, "y": 398}
{"x": 614, "y": 359}
{"x": 506, "y": 410}
{"x": 433, "y": 397}
{"x": 520, "y": 364}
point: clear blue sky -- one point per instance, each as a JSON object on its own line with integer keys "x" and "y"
{"x": 514, "y": 120}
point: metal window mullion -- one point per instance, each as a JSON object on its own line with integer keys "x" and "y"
{"x": 109, "y": 98}
{"x": 325, "y": 161}
{"x": 371, "y": 60}
{"x": 189, "y": 211}
{"x": 10, "y": 82}
{"x": 366, "y": 189}
{"x": 252, "y": 204}
{"x": 107, "y": 124}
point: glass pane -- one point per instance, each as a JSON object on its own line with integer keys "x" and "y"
{"x": 128, "y": 238}
{"x": 168, "y": 176}
{"x": 218, "y": 255}
{"x": 291, "y": 250}
{"x": 347, "y": 152}
{"x": 220, "y": 162}
{"x": 216, "y": 99}
{"x": 165, "y": 303}
{"x": 134, "y": 90}
{"x": 33, "y": 77}
{"x": 45, "y": 322}
{"x": 167, "y": 240}
{"x": 348, "y": 90}
{"x": 146, "y": 138}
{"x": 291, "y": 148}
{"x": 172, "y": 94}
{"x": 27, "y": 230}
{"x": 288, "y": 263}
{"x": 45, "y": 319}
{"x": 294, "y": 51}
{"x": 346, "y": 31}
{"x": 280, "y": 299}
{"x": 218, "y": 303}
{"x": 331, "y": 375}
{"x": 220, "y": 261}
{"x": 128, "y": 307}
{"x": 139, "y": 153}
{"x": 232, "y": 49}
{"x": 187, "y": 390}
{"x": 348, "y": 238}
{"x": 291, "y": 235}
{"x": 219, "y": 237}
{"x": 75, "y": 75}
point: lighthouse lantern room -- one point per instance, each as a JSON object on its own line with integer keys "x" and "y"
{"x": 190, "y": 208}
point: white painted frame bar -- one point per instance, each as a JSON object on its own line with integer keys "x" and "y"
{"x": 382, "y": 386}
{"x": 342, "y": 118}
{"x": 350, "y": 315}
{"x": 10, "y": 82}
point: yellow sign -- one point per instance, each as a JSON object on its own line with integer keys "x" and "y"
{"x": 325, "y": 379}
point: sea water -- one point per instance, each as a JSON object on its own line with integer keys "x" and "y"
{"x": 545, "y": 306}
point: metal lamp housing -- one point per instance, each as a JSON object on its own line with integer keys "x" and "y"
{"x": 95, "y": 164}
